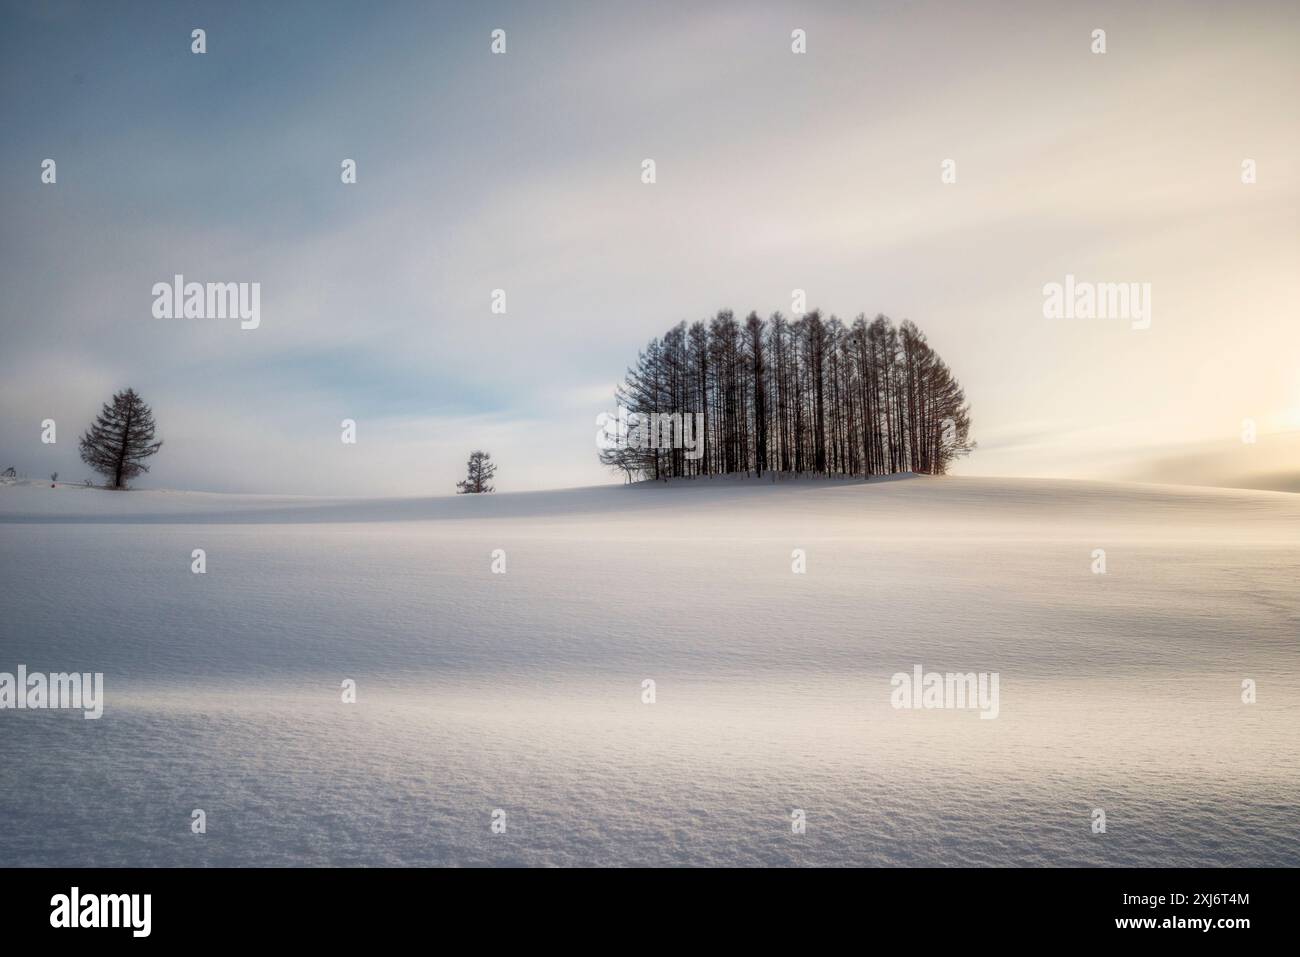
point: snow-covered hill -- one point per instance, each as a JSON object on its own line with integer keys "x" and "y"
{"x": 523, "y": 691}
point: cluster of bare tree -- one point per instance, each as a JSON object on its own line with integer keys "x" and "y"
{"x": 808, "y": 395}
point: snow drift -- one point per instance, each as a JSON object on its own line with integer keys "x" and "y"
{"x": 522, "y": 691}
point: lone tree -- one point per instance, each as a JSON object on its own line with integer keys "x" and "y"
{"x": 479, "y": 472}
{"x": 120, "y": 439}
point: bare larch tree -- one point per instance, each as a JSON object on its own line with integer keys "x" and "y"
{"x": 120, "y": 439}
{"x": 479, "y": 472}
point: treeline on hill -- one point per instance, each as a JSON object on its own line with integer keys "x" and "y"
{"x": 809, "y": 395}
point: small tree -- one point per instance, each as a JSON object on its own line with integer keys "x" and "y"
{"x": 479, "y": 472}
{"x": 624, "y": 457}
{"x": 120, "y": 439}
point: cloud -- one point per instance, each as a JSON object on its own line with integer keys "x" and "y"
{"x": 776, "y": 172}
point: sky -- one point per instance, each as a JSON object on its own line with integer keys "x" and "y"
{"x": 775, "y": 171}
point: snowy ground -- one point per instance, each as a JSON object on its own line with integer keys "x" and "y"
{"x": 522, "y": 691}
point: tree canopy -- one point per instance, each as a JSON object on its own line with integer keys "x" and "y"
{"x": 120, "y": 439}
{"x": 811, "y": 395}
